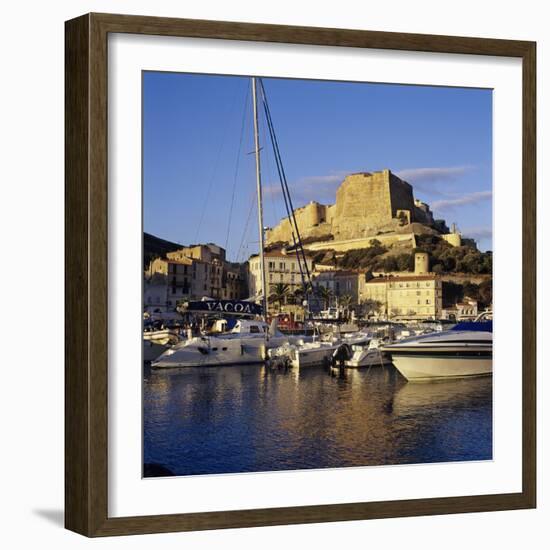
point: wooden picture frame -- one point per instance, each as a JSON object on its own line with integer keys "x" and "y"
{"x": 86, "y": 223}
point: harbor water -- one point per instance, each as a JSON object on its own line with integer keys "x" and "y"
{"x": 216, "y": 420}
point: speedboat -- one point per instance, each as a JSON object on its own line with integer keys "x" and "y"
{"x": 246, "y": 343}
{"x": 463, "y": 351}
{"x": 318, "y": 353}
{"x": 311, "y": 354}
{"x": 156, "y": 342}
{"x": 367, "y": 354}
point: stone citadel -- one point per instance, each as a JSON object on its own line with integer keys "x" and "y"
{"x": 368, "y": 205}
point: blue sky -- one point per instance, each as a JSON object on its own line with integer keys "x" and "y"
{"x": 199, "y": 175}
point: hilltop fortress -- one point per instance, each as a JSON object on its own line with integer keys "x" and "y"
{"x": 368, "y": 205}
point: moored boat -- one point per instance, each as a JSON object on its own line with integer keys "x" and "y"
{"x": 156, "y": 342}
{"x": 246, "y": 343}
{"x": 367, "y": 354}
{"x": 463, "y": 351}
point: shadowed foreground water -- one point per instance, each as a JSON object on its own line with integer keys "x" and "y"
{"x": 249, "y": 418}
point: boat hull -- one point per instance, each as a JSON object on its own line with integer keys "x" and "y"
{"x": 153, "y": 350}
{"x": 218, "y": 352}
{"x": 372, "y": 358}
{"x": 313, "y": 357}
{"x": 424, "y": 368}
{"x": 222, "y": 354}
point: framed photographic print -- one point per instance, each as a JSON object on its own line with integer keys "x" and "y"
{"x": 300, "y": 280}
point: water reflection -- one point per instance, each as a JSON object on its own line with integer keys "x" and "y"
{"x": 251, "y": 418}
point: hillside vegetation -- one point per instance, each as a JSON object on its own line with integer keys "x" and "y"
{"x": 444, "y": 258}
{"x": 155, "y": 247}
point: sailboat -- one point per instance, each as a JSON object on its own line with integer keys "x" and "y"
{"x": 249, "y": 341}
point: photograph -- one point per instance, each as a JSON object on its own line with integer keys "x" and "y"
{"x": 317, "y": 274}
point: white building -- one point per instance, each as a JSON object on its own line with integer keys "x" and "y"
{"x": 281, "y": 267}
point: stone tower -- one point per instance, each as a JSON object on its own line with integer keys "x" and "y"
{"x": 421, "y": 263}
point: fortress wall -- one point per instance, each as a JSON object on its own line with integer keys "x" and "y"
{"x": 366, "y": 203}
{"x": 454, "y": 239}
{"x": 331, "y": 213}
{"x": 423, "y": 216}
{"x": 422, "y": 213}
{"x": 407, "y": 240}
{"x": 362, "y": 201}
{"x": 401, "y": 196}
{"x": 281, "y": 232}
{"x": 310, "y": 220}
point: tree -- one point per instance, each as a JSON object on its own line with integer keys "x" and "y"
{"x": 279, "y": 292}
{"x": 325, "y": 294}
{"x": 405, "y": 262}
{"x": 371, "y": 307}
{"x": 364, "y": 258}
{"x": 390, "y": 264}
{"x": 471, "y": 290}
{"x": 452, "y": 293}
{"x": 298, "y": 295}
{"x": 486, "y": 292}
{"x": 345, "y": 302}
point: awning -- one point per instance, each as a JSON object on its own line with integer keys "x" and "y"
{"x": 230, "y": 307}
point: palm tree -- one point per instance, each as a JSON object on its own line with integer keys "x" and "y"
{"x": 297, "y": 295}
{"x": 279, "y": 292}
{"x": 371, "y": 307}
{"x": 325, "y": 294}
{"x": 345, "y": 302}
{"x": 301, "y": 292}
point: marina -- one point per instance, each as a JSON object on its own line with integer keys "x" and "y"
{"x": 254, "y": 399}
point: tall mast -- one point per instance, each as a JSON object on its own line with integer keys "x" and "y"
{"x": 259, "y": 193}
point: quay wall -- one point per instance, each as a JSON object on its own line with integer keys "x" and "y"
{"x": 407, "y": 240}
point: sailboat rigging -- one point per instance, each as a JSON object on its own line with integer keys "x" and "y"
{"x": 259, "y": 195}
{"x": 289, "y": 207}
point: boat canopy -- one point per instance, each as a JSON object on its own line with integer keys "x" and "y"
{"x": 229, "y": 307}
{"x": 479, "y": 326}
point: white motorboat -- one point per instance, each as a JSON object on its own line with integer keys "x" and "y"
{"x": 318, "y": 353}
{"x": 152, "y": 350}
{"x": 246, "y": 343}
{"x": 156, "y": 342}
{"x": 465, "y": 350}
{"x": 310, "y": 354}
{"x": 368, "y": 354}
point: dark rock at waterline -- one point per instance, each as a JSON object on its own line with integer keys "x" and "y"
{"x": 151, "y": 469}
